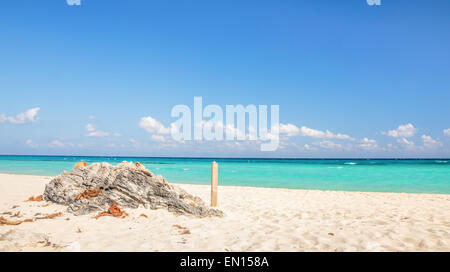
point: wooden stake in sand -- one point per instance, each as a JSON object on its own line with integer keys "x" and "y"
{"x": 214, "y": 182}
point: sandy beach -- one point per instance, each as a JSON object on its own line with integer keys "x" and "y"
{"x": 256, "y": 219}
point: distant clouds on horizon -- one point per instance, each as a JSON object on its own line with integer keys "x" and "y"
{"x": 160, "y": 134}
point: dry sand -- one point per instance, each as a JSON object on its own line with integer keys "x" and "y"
{"x": 257, "y": 219}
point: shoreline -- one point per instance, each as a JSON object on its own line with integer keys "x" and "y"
{"x": 256, "y": 219}
{"x": 256, "y": 187}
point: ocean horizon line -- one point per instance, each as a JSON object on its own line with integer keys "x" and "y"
{"x": 242, "y": 158}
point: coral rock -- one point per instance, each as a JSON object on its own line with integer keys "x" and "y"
{"x": 79, "y": 165}
{"x": 37, "y": 198}
{"x": 127, "y": 185}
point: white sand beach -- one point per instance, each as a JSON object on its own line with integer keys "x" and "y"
{"x": 256, "y": 219}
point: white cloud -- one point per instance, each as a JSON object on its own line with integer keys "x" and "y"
{"x": 153, "y": 126}
{"x": 158, "y": 138}
{"x": 116, "y": 134}
{"x": 405, "y": 142}
{"x": 329, "y": 145}
{"x": 368, "y": 144}
{"x": 92, "y": 132}
{"x": 90, "y": 127}
{"x": 289, "y": 129}
{"x": 309, "y": 147}
{"x": 30, "y": 143}
{"x": 231, "y": 130}
{"x": 56, "y": 143}
{"x": 404, "y": 131}
{"x": 314, "y": 133}
{"x": 447, "y": 132}
{"x": 368, "y": 141}
{"x": 159, "y": 133}
{"x": 29, "y": 116}
{"x": 429, "y": 142}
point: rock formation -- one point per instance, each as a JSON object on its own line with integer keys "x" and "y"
{"x": 128, "y": 185}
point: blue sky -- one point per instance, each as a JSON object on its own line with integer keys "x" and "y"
{"x": 379, "y": 74}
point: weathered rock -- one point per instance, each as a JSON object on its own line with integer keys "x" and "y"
{"x": 129, "y": 185}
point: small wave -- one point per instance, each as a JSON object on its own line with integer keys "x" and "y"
{"x": 350, "y": 163}
{"x": 337, "y": 167}
{"x": 186, "y": 169}
{"x": 441, "y": 161}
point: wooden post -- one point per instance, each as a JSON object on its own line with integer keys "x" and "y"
{"x": 214, "y": 182}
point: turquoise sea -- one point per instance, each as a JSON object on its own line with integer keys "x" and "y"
{"x": 370, "y": 175}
